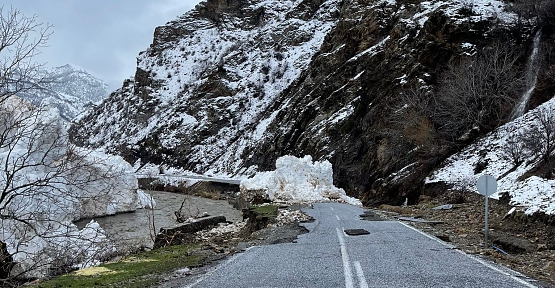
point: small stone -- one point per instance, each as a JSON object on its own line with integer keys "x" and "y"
{"x": 550, "y": 266}
{"x": 444, "y": 237}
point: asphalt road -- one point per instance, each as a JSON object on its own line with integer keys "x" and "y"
{"x": 392, "y": 255}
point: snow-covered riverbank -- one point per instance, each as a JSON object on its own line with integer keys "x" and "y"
{"x": 49, "y": 183}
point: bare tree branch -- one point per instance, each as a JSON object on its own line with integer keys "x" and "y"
{"x": 44, "y": 180}
{"x": 477, "y": 94}
{"x": 21, "y": 38}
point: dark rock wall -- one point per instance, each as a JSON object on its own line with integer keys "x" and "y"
{"x": 357, "y": 145}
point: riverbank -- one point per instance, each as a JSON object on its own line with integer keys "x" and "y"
{"x": 175, "y": 265}
{"x": 131, "y": 231}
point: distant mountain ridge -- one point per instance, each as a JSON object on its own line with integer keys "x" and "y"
{"x": 69, "y": 88}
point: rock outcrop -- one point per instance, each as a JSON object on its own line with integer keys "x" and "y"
{"x": 184, "y": 233}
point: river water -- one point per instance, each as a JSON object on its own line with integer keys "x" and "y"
{"x": 132, "y": 230}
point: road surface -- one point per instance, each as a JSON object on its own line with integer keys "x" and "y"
{"x": 392, "y": 255}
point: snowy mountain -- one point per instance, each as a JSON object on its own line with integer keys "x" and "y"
{"x": 206, "y": 82}
{"x": 69, "y": 88}
{"x": 229, "y": 87}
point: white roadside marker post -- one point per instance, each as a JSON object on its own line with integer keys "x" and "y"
{"x": 486, "y": 185}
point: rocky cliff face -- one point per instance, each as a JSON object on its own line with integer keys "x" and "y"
{"x": 201, "y": 90}
{"x": 232, "y": 85}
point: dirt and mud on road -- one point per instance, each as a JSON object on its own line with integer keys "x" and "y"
{"x": 524, "y": 244}
{"x": 228, "y": 239}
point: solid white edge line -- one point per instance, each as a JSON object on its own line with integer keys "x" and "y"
{"x": 498, "y": 270}
{"x": 345, "y": 258}
{"x": 360, "y": 274}
{"x": 205, "y": 275}
{"x": 473, "y": 258}
{"x": 427, "y": 235}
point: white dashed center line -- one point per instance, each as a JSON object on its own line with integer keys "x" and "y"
{"x": 361, "y": 279}
{"x": 345, "y": 258}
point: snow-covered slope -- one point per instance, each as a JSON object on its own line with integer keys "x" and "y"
{"x": 495, "y": 155}
{"x": 231, "y": 86}
{"x": 69, "y": 88}
{"x": 203, "y": 86}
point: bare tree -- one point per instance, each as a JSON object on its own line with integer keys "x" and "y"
{"x": 514, "y": 151}
{"x": 45, "y": 182}
{"x": 150, "y": 213}
{"x": 477, "y": 94}
{"x": 539, "y": 139}
{"x": 21, "y": 38}
{"x": 411, "y": 128}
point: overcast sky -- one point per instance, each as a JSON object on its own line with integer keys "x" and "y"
{"x": 102, "y": 36}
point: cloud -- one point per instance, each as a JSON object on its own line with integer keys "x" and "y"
{"x": 102, "y": 36}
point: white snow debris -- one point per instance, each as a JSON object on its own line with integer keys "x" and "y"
{"x": 299, "y": 180}
{"x": 221, "y": 229}
{"x": 286, "y": 216}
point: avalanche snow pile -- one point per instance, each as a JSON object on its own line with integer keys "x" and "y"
{"x": 47, "y": 184}
{"x": 490, "y": 155}
{"x": 297, "y": 180}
